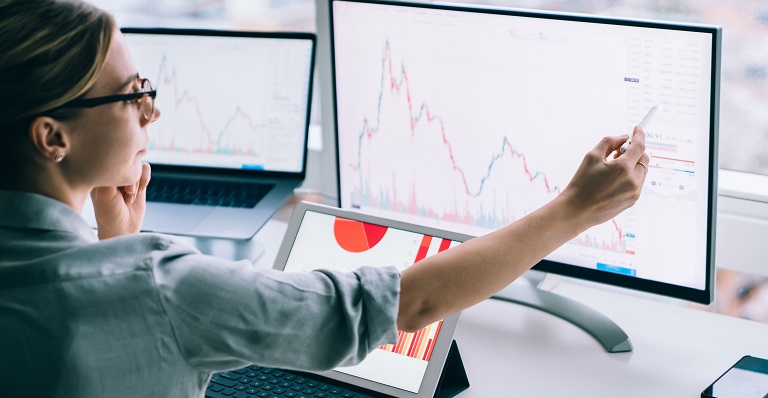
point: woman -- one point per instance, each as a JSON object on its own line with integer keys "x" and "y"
{"x": 126, "y": 314}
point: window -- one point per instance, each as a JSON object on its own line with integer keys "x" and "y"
{"x": 293, "y": 15}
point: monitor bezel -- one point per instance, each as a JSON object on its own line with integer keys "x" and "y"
{"x": 703, "y": 296}
{"x": 232, "y": 172}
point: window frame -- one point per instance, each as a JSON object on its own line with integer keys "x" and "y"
{"x": 742, "y": 222}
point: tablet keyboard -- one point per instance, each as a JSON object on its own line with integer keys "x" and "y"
{"x": 257, "y": 382}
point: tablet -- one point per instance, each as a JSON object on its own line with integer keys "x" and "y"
{"x": 322, "y": 237}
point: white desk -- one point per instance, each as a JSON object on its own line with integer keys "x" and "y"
{"x": 677, "y": 351}
{"x": 522, "y": 352}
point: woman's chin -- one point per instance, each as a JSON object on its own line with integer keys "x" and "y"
{"x": 134, "y": 174}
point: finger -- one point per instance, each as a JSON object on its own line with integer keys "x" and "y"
{"x": 608, "y": 145}
{"x": 138, "y": 189}
{"x": 642, "y": 165}
{"x": 637, "y": 147}
{"x": 129, "y": 193}
{"x": 647, "y": 160}
{"x": 129, "y": 189}
{"x": 102, "y": 194}
{"x": 146, "y": 175}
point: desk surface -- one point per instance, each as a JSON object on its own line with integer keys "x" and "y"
{"x": 519, "y": 351}
{"x": 677, "y": 352}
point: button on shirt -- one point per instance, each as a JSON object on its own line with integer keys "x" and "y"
{"x": 144, "y": 315}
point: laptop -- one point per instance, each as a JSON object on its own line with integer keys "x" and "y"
{"x": 231, "y": 143}
{"x": 419, "y": 365}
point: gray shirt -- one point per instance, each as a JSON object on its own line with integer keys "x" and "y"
{"x": 144, "y": 315}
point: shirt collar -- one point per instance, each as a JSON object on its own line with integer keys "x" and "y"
{"x": 33, "y": 211}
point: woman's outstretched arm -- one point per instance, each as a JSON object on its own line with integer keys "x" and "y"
{"x": 458, "y": 278}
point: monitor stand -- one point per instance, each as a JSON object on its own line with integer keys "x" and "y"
{"x": 604, "y": 330}
{"x": 230, "y": 249}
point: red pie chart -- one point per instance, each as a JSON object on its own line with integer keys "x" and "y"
{"x": 356, "y": 236}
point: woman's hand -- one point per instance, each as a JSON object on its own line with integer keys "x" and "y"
{"x": 601, "y": 188}
{"x": 120, "y": 210}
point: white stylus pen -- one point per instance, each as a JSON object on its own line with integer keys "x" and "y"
{"x": 642, "y": 124}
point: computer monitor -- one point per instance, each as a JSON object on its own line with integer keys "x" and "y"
{"x": 469, "y": 118}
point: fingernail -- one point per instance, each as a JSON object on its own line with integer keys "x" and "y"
{"x": 130, "y": 198}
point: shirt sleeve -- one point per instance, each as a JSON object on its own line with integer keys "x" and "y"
{"x": 229, "y": 314}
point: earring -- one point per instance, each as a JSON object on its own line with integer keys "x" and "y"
{"x": 59, "y": 157}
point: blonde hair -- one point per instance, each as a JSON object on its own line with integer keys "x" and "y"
{"x": 51, "y": 52}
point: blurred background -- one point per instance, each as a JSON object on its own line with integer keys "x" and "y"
{"x": 744, "y": 97}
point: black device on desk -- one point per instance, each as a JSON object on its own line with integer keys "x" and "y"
{"x": 747, "y": 378}
{"x": 424, "y": 364}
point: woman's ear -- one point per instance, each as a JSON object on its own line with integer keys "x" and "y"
{"x": 48, "y": 138}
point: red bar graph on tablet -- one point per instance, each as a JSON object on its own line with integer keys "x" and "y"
{"x": 423, "y": 248}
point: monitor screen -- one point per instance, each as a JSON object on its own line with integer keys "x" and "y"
{"x": 325, "y": 241}
{"x": 230, "y": 100}
{"x": 468, "y": 119}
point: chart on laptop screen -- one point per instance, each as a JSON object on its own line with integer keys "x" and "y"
{"x": 490, "y": 115}
{"x": 232, "y": 102}
{"x": 329, "y": 242}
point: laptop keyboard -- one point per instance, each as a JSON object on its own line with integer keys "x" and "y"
{"x": 257, "y": 382}
{"x": 206, "y": 193}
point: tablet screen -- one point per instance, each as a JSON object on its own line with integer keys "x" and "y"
{"x": 325, "y": 241}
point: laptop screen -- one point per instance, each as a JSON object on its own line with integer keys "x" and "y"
{"x": 325, "y": 241}
{"x": 230, "y": 100}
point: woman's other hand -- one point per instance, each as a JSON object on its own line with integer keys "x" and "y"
{"x": 120, "y": 210}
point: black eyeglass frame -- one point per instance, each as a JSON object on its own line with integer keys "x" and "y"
{"x": 108, "y": 99}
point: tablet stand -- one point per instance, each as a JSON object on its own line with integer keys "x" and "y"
{"x": 453, "y": 379}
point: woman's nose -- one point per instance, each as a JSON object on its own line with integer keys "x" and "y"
{"x": 155, "y": 114}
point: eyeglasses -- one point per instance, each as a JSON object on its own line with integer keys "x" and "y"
{"x": 144, "y": 100}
